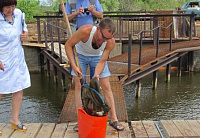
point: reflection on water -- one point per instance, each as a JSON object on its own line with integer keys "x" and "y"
{"x": 180, "y": 99}
{"x": 42, "y": 102}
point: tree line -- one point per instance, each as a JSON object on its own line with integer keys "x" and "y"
{"x": 35, "y": 7}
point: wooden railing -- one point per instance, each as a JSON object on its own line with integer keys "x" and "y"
{"x": 134, "y": 22}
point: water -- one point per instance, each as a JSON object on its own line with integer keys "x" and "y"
{"x": 180, "y": 99}
{"x": 42, "y": 102}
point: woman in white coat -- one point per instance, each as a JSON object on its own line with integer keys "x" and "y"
{"x": 14, "y": 74}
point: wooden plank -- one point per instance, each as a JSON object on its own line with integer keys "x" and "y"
{"x": 138, "y": 129}
{"x": 119, "y": 101}
{"x": 171, "y": 130}
{"x": 7, "y": 131}
{"x": 59, "y": 131}
{"x": 187, "y": 49}
{"x": 185, "y": 129}
{"x": 57, "y": 51}
{"x": 32, "y": 131}
{"x": 151, "y": 129}
{"x": 2, "y": 125}
{"x": 46, "y": 130}
{"x": 70, "y": 133}
{"x": 34, "y": 44}
{"x": 126, "y": 133}
{"x": 195, "y": 125}
{"x": 69, "y": 110}
{"x": 111, "y": 132}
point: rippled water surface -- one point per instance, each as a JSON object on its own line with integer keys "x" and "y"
{"x": 42, "y": 102}
{"x": 180, "y": 99}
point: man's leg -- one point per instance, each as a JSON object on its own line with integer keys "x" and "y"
{"x": 105, "y": 84}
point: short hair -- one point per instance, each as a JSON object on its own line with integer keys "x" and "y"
{"x": 107, "y": 23}
{"x": 4, "y": 3}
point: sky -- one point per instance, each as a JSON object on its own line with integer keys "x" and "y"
{"x": 44, "y": 2}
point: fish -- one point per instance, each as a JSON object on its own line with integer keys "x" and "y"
{"x": 92, "y": 100}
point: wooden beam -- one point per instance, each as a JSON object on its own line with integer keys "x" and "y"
{"x": 34, "y": 45}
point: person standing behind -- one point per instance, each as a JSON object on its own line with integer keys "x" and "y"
{"x": 14, "y": 74}
{"x": 93, "y": 45}
{"x": 84, "y": 12}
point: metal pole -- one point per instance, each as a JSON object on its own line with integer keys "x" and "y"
{"x": 140, "y": 50}
{"x": 129, "y": 54}
{"x": 157, "y": 42}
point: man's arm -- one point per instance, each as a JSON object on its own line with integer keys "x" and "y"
{"x": 73, "y": 40}
{"x": 100, "y": 66}
{"x": 98, "y": 11}
{"x": 95, "y": 13}
{"x": 73, "y": 15}
{"x": 69, "y": 11}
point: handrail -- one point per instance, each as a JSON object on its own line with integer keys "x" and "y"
{"x": 140, "y": 36}
{"x": 129, "y": 16}
{"x": 140, "y": 21}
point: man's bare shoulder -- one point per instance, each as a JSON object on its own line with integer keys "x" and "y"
{"x": 85, "y": 29}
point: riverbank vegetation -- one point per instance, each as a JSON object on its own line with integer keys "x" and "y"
{"x": 36, "y": 7}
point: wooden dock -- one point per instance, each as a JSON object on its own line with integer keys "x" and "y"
{"x": 136, "y": 129}
{"x": 69, "y": 111}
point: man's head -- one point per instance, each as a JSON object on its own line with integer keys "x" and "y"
{"x": 107, "y": 24}
{"x": 5, "y": 3}
{"x": 105, "y": 32}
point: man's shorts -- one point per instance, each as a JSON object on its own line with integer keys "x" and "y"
{"x": 92, "y": 62}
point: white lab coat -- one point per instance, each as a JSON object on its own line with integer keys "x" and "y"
{"x": 15, "y": 76}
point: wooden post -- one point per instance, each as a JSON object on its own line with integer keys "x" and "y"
{"x": 48, "y": 68}
{"x": 190, "y": 61}
{"x": 155, "y": 80}
{"x": 138, "y": 88}
{"x": 55, "y": 74}
{"x": 179, "y": 66}
{"x": 168, "y": 71}
{"x": 63, "y": 82}
{"x": 41, "y": 62}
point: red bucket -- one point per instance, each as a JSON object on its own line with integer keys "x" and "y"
{"x": 91, "y": 126}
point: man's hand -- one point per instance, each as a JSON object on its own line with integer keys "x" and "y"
{"x": 80, "y": 10}
{"x": 95, "y": 75}
{"x": 77, "y": 72}
{"x": 90, "y": 8}
{"x": 24, "y": 36}
{"x": 1, "y": 66}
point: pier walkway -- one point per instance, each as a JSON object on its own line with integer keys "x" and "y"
{"x": 119, "y": 67}
{"x": 125, "y": 69}
{"x": 137, "y": 129}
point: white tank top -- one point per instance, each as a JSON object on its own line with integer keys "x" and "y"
{"x": 86, "y": 48}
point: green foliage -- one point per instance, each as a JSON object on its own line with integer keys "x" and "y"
{"x": 30, "y": 7}
{"x": 110, "y": 5}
